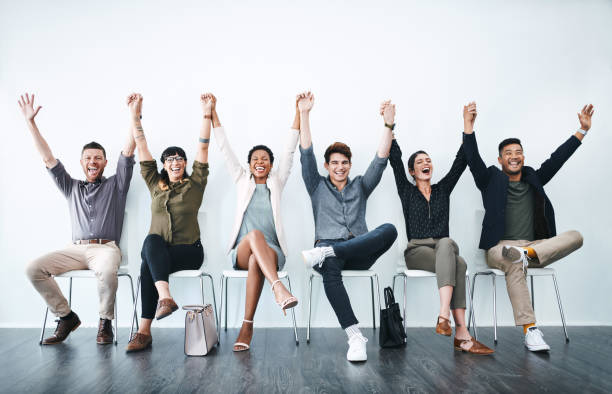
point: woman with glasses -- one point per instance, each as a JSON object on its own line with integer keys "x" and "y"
{"x": 173, "y": 243}
{"x": 257, "y": 243}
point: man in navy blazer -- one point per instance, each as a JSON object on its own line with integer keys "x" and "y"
{"x": 518, "y": 230}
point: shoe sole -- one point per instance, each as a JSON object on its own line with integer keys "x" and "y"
{"x": 538, "y": 349}
{"x": 174, "y": 309}
{"x": 55, "y": 343}
{"x": 476, "y": 354}
{"x": 511, "y": 254}
{"x": 358, "y": 361}
{"x": 104, "y": 343}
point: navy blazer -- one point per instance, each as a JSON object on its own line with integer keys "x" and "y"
{"x": 493, "y": 185}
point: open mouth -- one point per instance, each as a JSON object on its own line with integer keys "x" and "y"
{"x": 260, "y": 169}
{"x": 92, "y": 171}
{"x": 515, "y": 164}
{"x": 339, "y": 173}
{"x": 176, "y": 170}
{"x": 426, "y": 170}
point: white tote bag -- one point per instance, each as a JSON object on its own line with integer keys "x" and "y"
{"x": 200, "y": 331}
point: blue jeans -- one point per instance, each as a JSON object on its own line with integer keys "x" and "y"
{"x": 359, "y": 253}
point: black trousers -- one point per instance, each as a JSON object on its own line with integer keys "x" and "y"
{"x": 359, "y": 253}
{"x": 159, "y": 260}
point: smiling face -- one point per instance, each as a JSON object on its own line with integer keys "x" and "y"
{"x": 511, "y": 159}
{"x": 93, "y": 163}
{"x": 338, "y": 167}
{"x": 175, "y": 167}
{"x": 423, "y": 168}
{"x": 260, "y": 165}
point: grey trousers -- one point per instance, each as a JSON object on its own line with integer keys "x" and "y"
{"x": 548, "y": 251}
{"x": 439, "y": 255}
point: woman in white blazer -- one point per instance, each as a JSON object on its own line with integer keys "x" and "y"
{"x": 257, "y": 243}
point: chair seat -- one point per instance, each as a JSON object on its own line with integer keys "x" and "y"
{"x": 88, "y": 273}
{"x": 540, "y": 271}
{"x": 419, "y": 273}
{"x": 244, "y": 274}
{"x": 187, "y": 274}
{"x": 354, "y": 273}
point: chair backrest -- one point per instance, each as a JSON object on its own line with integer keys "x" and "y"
{"x": 480, "y": 259}
{"x": 203, "y": 235}
{"x": 402, "y": 238}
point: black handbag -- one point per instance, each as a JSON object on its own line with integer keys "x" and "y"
{"x": 391, "y": 332}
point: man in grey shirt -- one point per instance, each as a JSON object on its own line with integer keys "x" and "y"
{"x": 96, "y": 209}
{"x": 342, "y": 238}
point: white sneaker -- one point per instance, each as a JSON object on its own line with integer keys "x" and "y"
{"x": 516, "y": 255}
{"x": 357, "y": 348}
{"x": 313, "y": 257}
{"x": 534, "y": 340}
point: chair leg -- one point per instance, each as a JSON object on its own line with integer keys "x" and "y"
{"x": 116, "y": 324}
{"x": 472, "y": 314}
{"x": 560, "y": 307}
{"x": 226, "y": 302}
{"x": 212, "y": 287}
{"x": 309, "y": 307}
{"x": 494, "y": 311}
{"x": 134, "y": 315}
{"x": 378, "y": 293}
{"x": 532, "y": 295}
{"x": 373, "y": 313}
{"x": 70, "y": 294}
{"x": 133, "y": 297}
{"x": 405, "y": 300}
{"x": 42, "y": 332}
{"x": 297, "y": 341}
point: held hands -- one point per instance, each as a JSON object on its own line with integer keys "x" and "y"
{"x": 469, "y": 117}
{"x": 584, "y": 116}
{"x": 27, "y": 107}
{"x": 387, "y": 111}
{"x": 305, "y": 101}
{"x": 134, "y": 102}
{"x": 208, "y": 102}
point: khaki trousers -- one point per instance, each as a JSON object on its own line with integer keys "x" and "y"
{"x": 441, "y": 256}
{"x": 104, "y": 260}
{"x": 548, "y": 251}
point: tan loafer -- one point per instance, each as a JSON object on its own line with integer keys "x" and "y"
{"x": 165, "y": 307}
{"x": 472, "y": 346}
{"x": 443, "y": 327}
{"x": 139, "y": 342}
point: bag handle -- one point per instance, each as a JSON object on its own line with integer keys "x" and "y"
{"x": 389, "y": 297}
{"x": 197, "y": 308}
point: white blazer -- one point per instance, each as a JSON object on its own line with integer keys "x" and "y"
{"x": 246, "y": 183}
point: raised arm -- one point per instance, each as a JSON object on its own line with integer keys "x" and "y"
{"x": 29, "y": 113}
{"x": 134, "y": 102}
{"x": 470, "y": 147}
{"x": 552, "y": 165}
{"x": 206, "y": 100}
{"x": 305, "y": 102}
{"x": 233, "y": 164}
{"x": 388, "y": 113}
{"x": 286, "y": 160}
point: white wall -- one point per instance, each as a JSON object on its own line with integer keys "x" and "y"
{"x": 529, "y": 65}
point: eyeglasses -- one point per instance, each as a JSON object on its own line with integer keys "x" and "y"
{"x": 178, "y": 159}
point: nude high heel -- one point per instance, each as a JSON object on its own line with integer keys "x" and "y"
{"x": 288, "y": 302}
{"x": 245, "y": 346}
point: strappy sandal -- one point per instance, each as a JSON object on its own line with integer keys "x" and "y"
{"x": 245, "y": 346}
{"x": 288, "y": 302}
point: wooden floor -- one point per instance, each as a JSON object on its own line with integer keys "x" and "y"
{"x": 427, "y": 364}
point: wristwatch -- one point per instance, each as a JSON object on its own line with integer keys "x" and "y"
{"x": 391, "y": 126}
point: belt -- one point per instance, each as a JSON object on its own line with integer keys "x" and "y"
{"x": 92, "y": 241}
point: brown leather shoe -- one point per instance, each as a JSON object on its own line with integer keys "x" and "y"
{"x": 443, "y": 327}
{"x": 64, "y": 327}
{"x": 165, "y": 307}
{"x": 105, "y": 332}
{"x": 139, "y": 342}
{"x": 472, "y": 346}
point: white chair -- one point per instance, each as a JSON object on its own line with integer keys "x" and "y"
{"x": 242, "y": 274}
{"x": 195, "y": 274}
{"x": 531, "y": 272}
{"x": 346, "y": 274}
{"x": 122, "y": 272}
{"x": 405, "y": 273}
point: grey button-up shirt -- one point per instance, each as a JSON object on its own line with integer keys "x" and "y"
{"x": 339, "y": 214}
{"x": 96, "y": 209}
